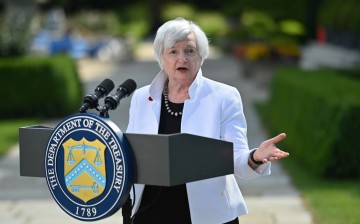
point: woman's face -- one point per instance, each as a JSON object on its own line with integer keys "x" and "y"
{"x": 182, "y": 61}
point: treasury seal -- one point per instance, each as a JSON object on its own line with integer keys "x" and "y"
{"x": 88, "y": 167}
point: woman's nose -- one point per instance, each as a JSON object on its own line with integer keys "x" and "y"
{"x": 182, "y": 57}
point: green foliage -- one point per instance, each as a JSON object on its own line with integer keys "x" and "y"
{"x": 320, "y": 112}
{"x": 291, "y": 27}
{"x": 39, "y": 87}
{"x": 14, "y": 35}
{"x": 135, "y": 21}
{"x": 131, "y": 21}
{"x": 258, "y": 24}
{"x": 282, "y": 37}
{"x": 137, "y": 29}
{"x": 214, "y": 25}
{"x": 96, "y": 22}
{"x": 277, "y": 9}
{"x": 340, "y": 15}
{"x": 175, "y": 10}
{"x": 328, "y": 13}
{"x": 330, "y": 201}
{"x": 352, "y": 74}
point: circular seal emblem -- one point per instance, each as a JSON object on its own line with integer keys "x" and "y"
{"x": 89, "y": 167}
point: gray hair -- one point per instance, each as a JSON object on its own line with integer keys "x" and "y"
{"x": 176, "y": 30}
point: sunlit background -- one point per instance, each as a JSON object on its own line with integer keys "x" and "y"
{"x": 305, "y": 54}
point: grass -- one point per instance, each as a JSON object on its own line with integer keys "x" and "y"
{"x": 330, "y": 201}
{"x": 9, "y": 132}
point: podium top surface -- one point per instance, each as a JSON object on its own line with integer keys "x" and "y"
{"x": 164, "y": 160}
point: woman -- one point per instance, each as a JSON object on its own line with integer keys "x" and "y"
{"x": 181, "y": 99}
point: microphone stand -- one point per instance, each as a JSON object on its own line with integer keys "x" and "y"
{"x": 103, "y": 113}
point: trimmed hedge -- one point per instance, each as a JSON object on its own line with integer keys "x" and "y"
{"x": 353, "y": 74}
{"x": 39, "y": 87}
{"x": 320, "y": 112}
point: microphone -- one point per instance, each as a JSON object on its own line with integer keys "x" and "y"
{"x": 124, "y": 90}
{"x": 102, "y": 90}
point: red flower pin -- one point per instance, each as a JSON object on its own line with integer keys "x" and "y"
{"x": 150, "y": 98}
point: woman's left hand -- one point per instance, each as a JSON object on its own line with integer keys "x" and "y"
{"x": 268, "y": 151}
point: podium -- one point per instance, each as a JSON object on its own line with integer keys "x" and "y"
{"x": 90, "y": 165}
{"x": 163, "y": 160}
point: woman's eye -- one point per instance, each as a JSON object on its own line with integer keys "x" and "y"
{"x": 173, "y": 52}
{"x": 190, "y": 51}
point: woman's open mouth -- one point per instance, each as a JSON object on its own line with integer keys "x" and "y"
{"x": 182, "y": 69}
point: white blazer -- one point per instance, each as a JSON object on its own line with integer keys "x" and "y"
{"x": 214, "y": 110}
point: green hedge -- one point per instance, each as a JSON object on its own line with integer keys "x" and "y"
{"x": 320, "y": 112}
{"x": 39, "y": 87}
{"x": 340, "y": 15}
{"x": 353, "y": 74}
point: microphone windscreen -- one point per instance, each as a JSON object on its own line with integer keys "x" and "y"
{"x": 129, "y": 85}
{"x": 107, "y": 85}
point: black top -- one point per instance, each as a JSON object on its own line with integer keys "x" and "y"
{"x": 165, "y": 204}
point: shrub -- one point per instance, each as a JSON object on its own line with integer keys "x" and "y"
{"x": 213, "y": 24}
{"x": 39, "y": 87}
{"x": 320, "y": 112}
{"x": 175, "y": 10}
{"x": 340, "y": 15}
{"x": 14, "y": 35}
{"x": 95, "y": 22}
